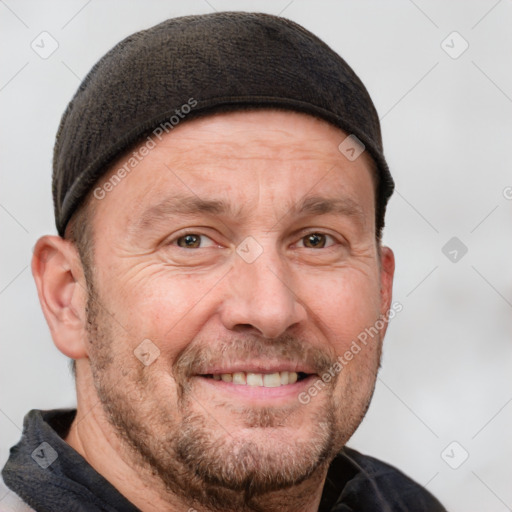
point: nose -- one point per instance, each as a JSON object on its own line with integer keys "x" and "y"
{"x": 262, "y": 298}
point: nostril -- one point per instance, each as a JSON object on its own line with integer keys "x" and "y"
{"x": 244, "y": 328}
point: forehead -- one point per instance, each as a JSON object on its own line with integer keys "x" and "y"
{"x": 238, "y": 157}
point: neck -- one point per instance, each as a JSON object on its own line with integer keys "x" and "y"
{"x": 95, "y": 439}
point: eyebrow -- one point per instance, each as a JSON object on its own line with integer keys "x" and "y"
{"x": 317, "y": 205}
{"x": 182, "y": 205}
{"x": 194, "y": 205}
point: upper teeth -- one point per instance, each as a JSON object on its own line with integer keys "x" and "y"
{"x": 268, "y": 380}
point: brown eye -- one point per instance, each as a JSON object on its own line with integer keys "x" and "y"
{"x": 315, "y": 241}
{"x": 189, "y": 241}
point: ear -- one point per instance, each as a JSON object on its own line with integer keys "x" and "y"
{"x": 62, "y": 291}
{"x": 387, "y": 272}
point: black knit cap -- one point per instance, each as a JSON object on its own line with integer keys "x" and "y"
{"x": 223, "y": 61}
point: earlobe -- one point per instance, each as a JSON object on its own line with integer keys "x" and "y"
{"x": 59, "y": 278}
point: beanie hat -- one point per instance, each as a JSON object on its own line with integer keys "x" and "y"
{"x": 196, "y": 65}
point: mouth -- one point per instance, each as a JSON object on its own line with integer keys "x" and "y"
{"x": 254, "y": 379}
{"x": 258, "y": 384}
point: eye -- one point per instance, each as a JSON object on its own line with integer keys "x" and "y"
{"x": 316, "y": 240}
{"x": 193, "y": 241}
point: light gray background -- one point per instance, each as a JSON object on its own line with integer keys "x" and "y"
{"x": 447, "y": 127}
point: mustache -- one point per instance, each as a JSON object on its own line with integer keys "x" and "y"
{"x": 198, "y": 356}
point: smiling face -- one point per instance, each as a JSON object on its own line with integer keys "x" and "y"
{"x": 232, "y": 266}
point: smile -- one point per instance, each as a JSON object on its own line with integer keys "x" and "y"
{"x": 267, "y": 380}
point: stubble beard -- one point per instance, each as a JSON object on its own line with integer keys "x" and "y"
{"x": 201, "y": 462}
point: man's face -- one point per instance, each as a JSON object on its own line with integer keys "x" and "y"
{"x": 242, "y": 245}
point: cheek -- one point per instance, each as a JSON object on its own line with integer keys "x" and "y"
{"x": 166, "y": 308}
{"x": 345, "y": 305}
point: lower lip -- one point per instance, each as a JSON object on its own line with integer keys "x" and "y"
{"x": 259, "y": 392}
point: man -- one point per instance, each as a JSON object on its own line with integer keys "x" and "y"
{"x": 218, "y": 279}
